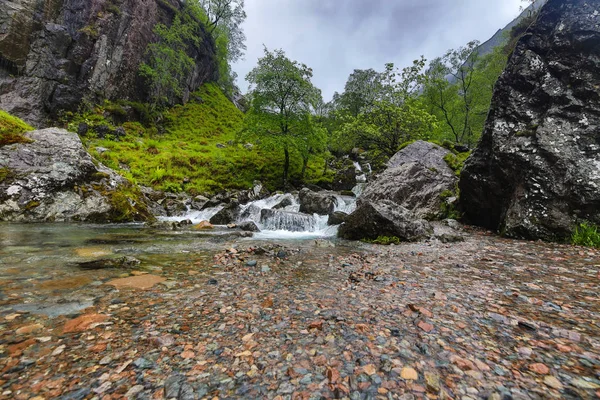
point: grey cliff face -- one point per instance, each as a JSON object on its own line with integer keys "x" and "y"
{"x": 536, "y": 170}
{"x": 56, "y": 53}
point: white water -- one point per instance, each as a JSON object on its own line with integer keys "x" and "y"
{"x": 361, "y": 177}
{"x": 281, "y": 223}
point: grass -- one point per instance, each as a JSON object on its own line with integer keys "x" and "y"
{"x": 586, "y": 234}
{"x": 12, "y": 129}
{"x": 181, "y": 153}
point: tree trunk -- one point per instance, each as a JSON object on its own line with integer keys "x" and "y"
{"x": 304, "y": 165}
{"x": 286, "y": 167}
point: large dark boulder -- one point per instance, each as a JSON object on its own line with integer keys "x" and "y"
{"x": 415, "y": 179}
{"x": 54, "y": 178}
{"x": 536, "y": 171}
{"x": 56, "y": 53}
{"x": 384, "y": 218}
{"x": 322, "y": 203}
{"x": 228, "y": 215}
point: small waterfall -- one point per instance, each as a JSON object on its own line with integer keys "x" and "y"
{"x": 361, "y": 177}
{"x": 278, "y": 216}
{"x": 195, "y": 216}
{"x": 278, "y": 220}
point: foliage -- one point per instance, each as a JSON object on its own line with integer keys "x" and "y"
{"x": 185, "y": 156}
{"x": 586, "y": 234}
{"x": 281, "y": 95}
{"x": 381, "y": 111}
{"x": 384, "y": 240}
{"x": 169, "y": 63}
{"x": 385, "y": 127}
{"x": 225, "y": 18}
{"x": 12, "y": 129}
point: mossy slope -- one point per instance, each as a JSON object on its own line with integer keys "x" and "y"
{"x": 198, "y": 151}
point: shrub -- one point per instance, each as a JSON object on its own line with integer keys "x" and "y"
{"x": 586, "y": 234}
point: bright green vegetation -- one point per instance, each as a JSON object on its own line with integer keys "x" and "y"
{"x": 586, "y": 234}
{"x": 198, "y": 152}
{"x": 169, "y": 61}
{"x": 280, "y": 114}
{"x": 127, "y": 205}
{"x": 456, "y": 161}
{"x": 384, "y": 240}
{"x": 12, "y": 129}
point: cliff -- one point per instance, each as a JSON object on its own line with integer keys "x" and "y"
{"x": 56, "y": 54}
{"x": 536, "y": 171}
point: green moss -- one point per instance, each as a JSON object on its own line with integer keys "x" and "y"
{"x": 31, "y": 205}
{"x": 384, "y": 240}
{"x": 90, "y": 31}
{"x": 456, "y": 162}
{"x": 184, "y": 156}
{"x": 12, "y": 129}
{"x": 5, "y": 173}
{"x": 586, "y": 234}
{"x": 127, "y": 205}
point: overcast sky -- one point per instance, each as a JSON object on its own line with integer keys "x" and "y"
{"x": 334, "y": 37}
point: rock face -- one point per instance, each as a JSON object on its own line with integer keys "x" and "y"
{"x": 384, "y": 218}
{"x": 415, "y": 179}
{"x": 321, "y": 203}
{"x": 56, "y": 53}
{"x": 55, "y": 179}
{"x": 399, "y": 200}
{"x": 536, "y": 170}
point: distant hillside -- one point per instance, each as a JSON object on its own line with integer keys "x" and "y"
{"x": 501, "y": 37}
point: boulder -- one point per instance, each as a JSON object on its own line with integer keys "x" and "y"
{"x": 536, "y": 170}
{"x": 384, "y": 218}
{"x": 285, "y": 202}
{"x": 415, "y": 179}
{"x": 337, "y": 218}
{"x": 345, "y": 179}
{"x": 322, "y": 203}
{"x": 54, "y": 178}
{"x": 228, "y": 215}
{"x": 249, "y": 226}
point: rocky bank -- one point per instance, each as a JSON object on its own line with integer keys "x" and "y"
{"x": 54, "y": 178}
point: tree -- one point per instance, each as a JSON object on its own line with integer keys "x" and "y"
{"x": 225, "y": 17}
{"x": 387, "y": 126}
{"x": 450, "y": 91}
{"x": 281, "y": 94}
{"x": 394, "y": 115}
{"x": 169, "y": 63}
{"x": 361, "y": 91}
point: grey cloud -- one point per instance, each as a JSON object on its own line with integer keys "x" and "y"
{"x": 334, "y": 37}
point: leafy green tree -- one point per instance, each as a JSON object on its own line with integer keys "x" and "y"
{"x": 395, "y": 115}
{"x": 169, "y": 63}
{"x": 281, "y": 94}
{"x": 225, "y": 17}
{"x": 386, "y": 126}
{"x": 450, "y": 91}
{"x": 458, "y": 90}
{"x": 362, "y": 89}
